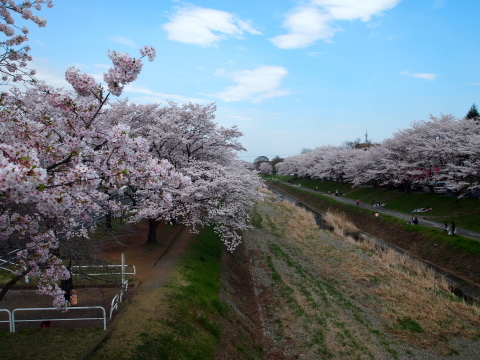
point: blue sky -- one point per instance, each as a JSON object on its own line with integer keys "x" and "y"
{"x": 290, "y": 74}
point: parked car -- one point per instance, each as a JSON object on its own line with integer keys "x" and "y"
{"x": 473, "y": 193}
{"x": 440, "y": 187}
{"x": 421, "y": 188}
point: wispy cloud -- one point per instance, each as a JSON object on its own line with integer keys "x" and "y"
{"x": 354, "y": 9}
{"x": 51, "y": 76}
{"x": 438, "y": 4}
{"x": 316, "y": 53}
{"x": 425, "y": 76}
{"x": 205, "y": 27}
{"x": 317, "y": 20}
{"x": 142, "y": 94}
{"x": 122, "y": 40}
{"x": 152, "y": 96}
{"x": 254, "y": 85}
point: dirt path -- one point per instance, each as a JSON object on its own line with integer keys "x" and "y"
{"x": 153, "y": 263}
{"x": 151, "y": 273}
{"x": 158, "y": 273}
{"x": 155, "y": 266}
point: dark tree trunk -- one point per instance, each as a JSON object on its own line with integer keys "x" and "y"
{"x": 152, "y": 230}
{"x": 133, "y": 199}
{"x": 108, "y": 220}
{"x": 12, "y": 282}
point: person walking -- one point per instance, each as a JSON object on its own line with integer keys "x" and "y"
{"x": 445, "y": 228}
{"x": 453, "y": 229}
{"x": 358, "y": 202}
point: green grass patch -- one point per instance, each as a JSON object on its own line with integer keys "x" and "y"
{"x": 464, "y": 212}
{"x": 5, "y": 276}
{"x": 408, "y": 324}
{"x": 193, "y": 330}
{"x": 101, "y": 232}
{"x": 47, "y": 344}
{"x": 457, "y": 242}
{"x": 320, "y": 201}
{"x": 256, "y": 220}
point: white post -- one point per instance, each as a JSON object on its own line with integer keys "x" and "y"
{"x": 123, "y": 268}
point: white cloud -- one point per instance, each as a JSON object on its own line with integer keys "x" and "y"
{"x": 316, "y": 21}
{"x": 355, "y": 9}
{"x": 305, "y": 26}
{"x": 53, "y": 77}
{"x": 255, "y": 85}
{"x": 56, "y": 78}
{"x": 153, "y": 96}
{"x": 205, "y": 27}
{"x": 425, "y": 76}
{"x": 122, "y": 40}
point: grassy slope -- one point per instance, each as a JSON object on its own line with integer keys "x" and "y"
{"x": 324, "y": 287}
{"x": 455, "y": 254}
{"x": 464, "y": 212}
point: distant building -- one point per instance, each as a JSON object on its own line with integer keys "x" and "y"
{"x": 259, "y": 160}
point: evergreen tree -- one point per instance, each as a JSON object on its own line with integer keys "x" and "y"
{"x": 473, "y": 113}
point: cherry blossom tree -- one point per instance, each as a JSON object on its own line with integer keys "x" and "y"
{"x": 265, "y": 168}
{"x": 60, "y": 164}
{"x": 15, "y": 55}
{"x": 294, "y": 165}
{"x": 429, "y": 151}
{"x": 222, "y": 189}
{"x": 441, "y": 148}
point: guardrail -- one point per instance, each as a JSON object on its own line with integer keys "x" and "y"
{"x": 9, "y": 321}
{"x": 106, "y": 267}
{"x": 118, "y": 298}
{"x": 13, "y": 321}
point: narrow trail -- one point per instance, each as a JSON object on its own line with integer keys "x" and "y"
{"x": 382, "y": 210}
{"x": 155, "y": 267}
{"x": 160, "y": 270}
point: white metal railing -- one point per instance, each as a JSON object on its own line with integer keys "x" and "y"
{"x": 4, "y": 261}
{"x": 14, "y": 321}
{"x": 114, "y": 305}
{"x": 134, "y": 271}
{"x": 118, "y": 298}
{"x": 9, "y": 321}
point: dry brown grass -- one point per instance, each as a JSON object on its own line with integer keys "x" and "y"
{"x": 413, "y": 292}
{"x": 401, "y": 294}
{"x": 297, "y": 223}
{"x": 340, "y": 224}
{"x": 417, "y": 292}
